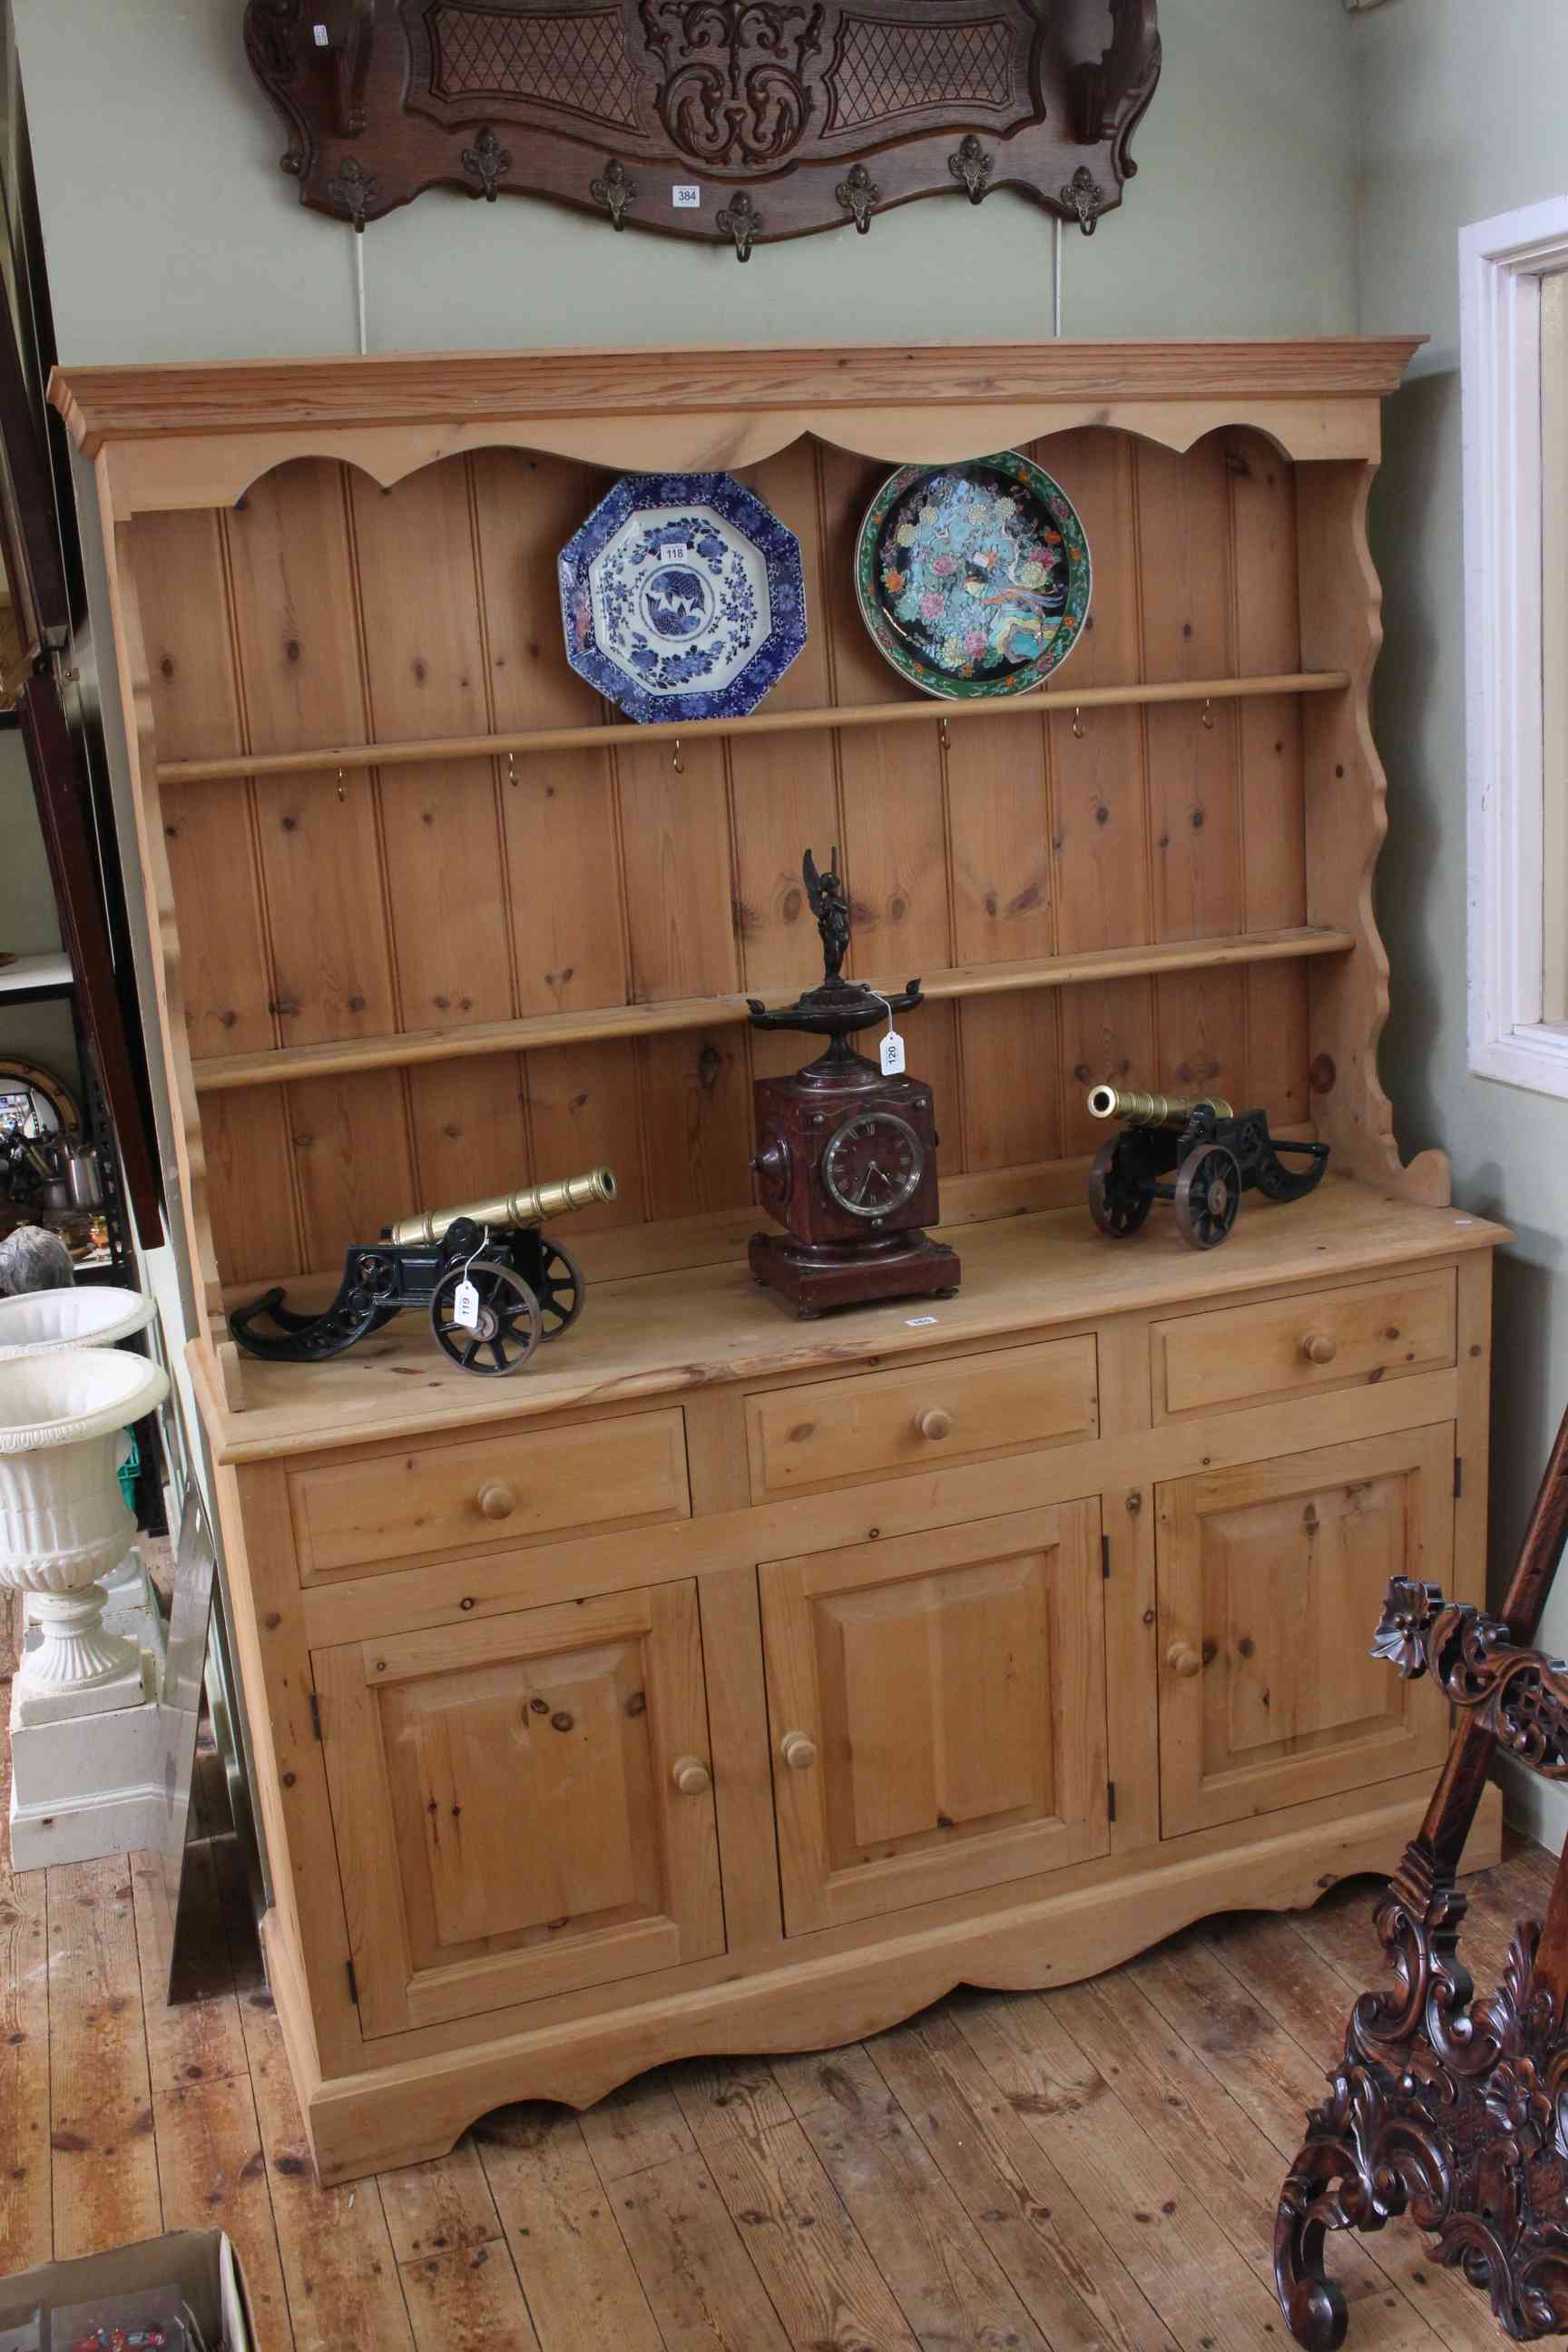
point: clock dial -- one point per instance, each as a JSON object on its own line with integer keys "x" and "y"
{"x": 873, "y": 1165}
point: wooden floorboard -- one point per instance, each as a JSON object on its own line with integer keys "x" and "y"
{"x": 819, "y": 2275}
{"x": 1066, "y": 2272}
{"x": 199, "y": 2041}
{"x": 104, "y": 2158}
{"x": 936, "y": 2258}
{"x": 563, "y": 2232}
{"x": 1092, "y": 2169}
{"x": 212, "y": 2171}
{"x": 26, "y": 2189}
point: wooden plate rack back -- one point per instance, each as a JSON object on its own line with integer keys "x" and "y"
{"x": 433, "y": 921}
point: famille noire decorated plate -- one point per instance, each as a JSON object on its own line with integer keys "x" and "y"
{"x": 683, "y": 597}
{"x": 974, "y": 579}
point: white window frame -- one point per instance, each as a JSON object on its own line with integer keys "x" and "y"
{"x": 1502, "y": 264}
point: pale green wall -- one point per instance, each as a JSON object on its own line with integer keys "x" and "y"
{"x": 1462, "y": 117}
{"x": 172, "y": 234}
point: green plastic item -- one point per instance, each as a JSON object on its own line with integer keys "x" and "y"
{"x": 127, "y": 1472}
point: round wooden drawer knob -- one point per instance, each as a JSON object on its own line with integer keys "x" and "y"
{"x": 1183, "y": 1661}
{"x": 497, "y": 1502}
{"x": 799, "y": 1753}
{"x": 1320, "y": 1347}
{"x": 934, "y": 1424}
{"x": 691, "y": 1776}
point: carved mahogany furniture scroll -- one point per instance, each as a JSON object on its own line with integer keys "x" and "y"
{"x": 1450, "y": 2109}
{"x": 735, "y": 122}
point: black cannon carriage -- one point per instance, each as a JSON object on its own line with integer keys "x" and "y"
{"x": 1195, "y": 1152}
{"x": 494, "y": 1285}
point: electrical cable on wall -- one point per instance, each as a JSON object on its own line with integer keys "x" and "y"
{"x": 358, "y": 239}
{"x": 1055, "y": 274}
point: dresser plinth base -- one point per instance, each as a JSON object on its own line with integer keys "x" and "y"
{"x": 411, "y": 2109}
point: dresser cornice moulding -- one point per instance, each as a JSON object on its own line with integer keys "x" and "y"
{"x": 105, "y": 405}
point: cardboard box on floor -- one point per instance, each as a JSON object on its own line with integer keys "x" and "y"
{"x": 201, "y": 2263}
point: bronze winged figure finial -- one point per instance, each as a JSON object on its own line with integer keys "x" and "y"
{"x": 825, "y": 895}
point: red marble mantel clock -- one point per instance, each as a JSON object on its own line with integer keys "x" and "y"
{"x": 846, "y": 1150}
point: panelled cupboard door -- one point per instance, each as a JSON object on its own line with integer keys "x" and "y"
{"x": 522, "y": 1806}
{"x": 1271, "y": 1582}
{"x": 937, "y": 1713}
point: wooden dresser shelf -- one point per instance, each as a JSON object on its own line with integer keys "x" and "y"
{"x": 1095, "y": 964}
{"x": 932, "y": 710}
{"x": 656, "y": 1334}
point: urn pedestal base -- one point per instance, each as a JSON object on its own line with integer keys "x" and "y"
{"x": 130, "y": 1608}
{"x": 126, "y": 1682}
{"x": 74, "y": 1667}
{"x": 86, "y": 1787}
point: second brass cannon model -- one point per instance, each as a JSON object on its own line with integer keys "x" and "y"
{"x": 1197, "y": 1153}
{"x": 494, "y": 1283}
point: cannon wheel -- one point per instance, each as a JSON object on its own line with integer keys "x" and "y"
{"x": 561, "y": 1288}
{"x": 1208, "y": 1194}
{"x": 510, "y": 1321}
{"x": 1116, "y": 1208}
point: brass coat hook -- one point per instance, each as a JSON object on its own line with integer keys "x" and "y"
{"x": 1208, "y": 713}
{"x": 971, "y": 167}
{"x": 858, "y": 194}
{"x": 1078, "y": 729}
{"x": 1083, "y": 199}
{"x": 486, "y": 162}
{"x": 677, "y": 763}
{"x": 341, "y": 794}
{"x": 615, "y": 191}
{"x": 741, "y": 221}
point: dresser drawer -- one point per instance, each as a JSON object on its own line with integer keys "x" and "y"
{"x": 375, "y": 1512}
{"x": 1240, "y": 1355}
{"x": 918, "y": 1419}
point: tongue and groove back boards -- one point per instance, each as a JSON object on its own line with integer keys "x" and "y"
{"x": 372, "y": 902}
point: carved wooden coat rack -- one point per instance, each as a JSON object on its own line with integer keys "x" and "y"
{"x": 734, "y": 122}
{"x": 1449, "y": 2108}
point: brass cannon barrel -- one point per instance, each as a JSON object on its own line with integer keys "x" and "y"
{"x": 1152, "y": 1110}
{"x": 531, "y": 1206}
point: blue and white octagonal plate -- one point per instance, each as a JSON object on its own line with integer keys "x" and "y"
{"x": 683, "y": 597}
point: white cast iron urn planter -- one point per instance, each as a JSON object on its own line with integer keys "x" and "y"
{"x": 48, "y": 1322}
{"x": 63, "y": 1520}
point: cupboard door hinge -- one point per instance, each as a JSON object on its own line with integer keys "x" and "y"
{"x": 354, "y": 1985}
{"x": 1110, "y": 1800}
{"x": 1105, "y": 1557}
{"x": 1459, "y": 1476}
{"x": 316, "y": 1714}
